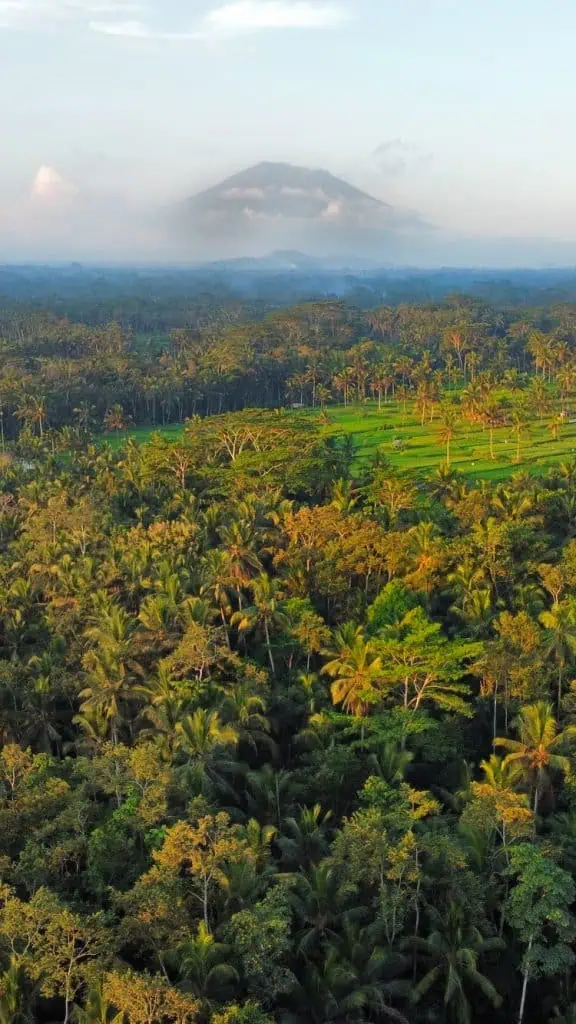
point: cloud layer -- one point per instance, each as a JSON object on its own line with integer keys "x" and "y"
{"x": 36, "y": 13}
{"x": 254, "y": 15}
{"x": 238, "y": 17}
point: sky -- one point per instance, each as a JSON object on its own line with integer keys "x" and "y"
{"x": 459, "y": 109}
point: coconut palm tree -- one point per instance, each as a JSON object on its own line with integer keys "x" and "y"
{"x": 377, "y": 970}
{"x": 356, "y": 669}
{"x": 538, "y": 749}
{"x": 205, "y": 743}
{"x": 204, "y": 968}
{"x": 265, "y": 613}
{"x": 167, "y": 702}
{"x": 268, "y": 793}
{"x": 493, "y": 415}
{"x": 108, "y": 689}
{"x": 560, "y": 638}
{"x": 245, "y": 710}
{"x": 521, "y": 426}
{"x": 96, "y": 1009}
{"x": 13, "y": 1001}
{"x": 319, "y": 900}
{"x": 452, "y": 952}
{"x": 304, "y": 839}
{"x": 325, "y": 992}
{"x": 243, "y": 561}
{"x": 344, "y": 383}
{"x": 448, "y": 429}
{"x": 500, "y": 774}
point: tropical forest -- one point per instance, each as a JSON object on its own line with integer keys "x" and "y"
{"x": 287, "y": 655}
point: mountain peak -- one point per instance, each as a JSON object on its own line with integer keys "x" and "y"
{"x": 293, "y": 184}
{"x": 282, "y": 206}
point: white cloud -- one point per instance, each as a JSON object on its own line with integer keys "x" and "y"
{"x": 237, "y": 18}
{"x": 50, "y": 186}
{"x": 137, "y": 30}
{"x": 33, "y": 13}
{"x": 254, "y": 15}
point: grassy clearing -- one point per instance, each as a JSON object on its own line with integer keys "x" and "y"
{"x": 375, "y": 430}
{"x": 142, "y": 434}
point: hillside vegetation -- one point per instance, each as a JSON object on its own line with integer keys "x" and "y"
{"x": 287, "y": 689}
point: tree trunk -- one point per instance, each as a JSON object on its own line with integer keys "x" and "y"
{"x": 524, "y": 987}
{"x": 536, "y": 796}
{"x": 223, "y": 617}
{"x": 492, "y": 456}
{"x": 67, "y": 997}
{"x": 269, "y": 647}
{"x": 205, "y": 904}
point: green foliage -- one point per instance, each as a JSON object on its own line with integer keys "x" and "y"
{"x": 287, "y": 731}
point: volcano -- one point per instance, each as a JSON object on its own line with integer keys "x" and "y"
{"x": 275, "y": 206}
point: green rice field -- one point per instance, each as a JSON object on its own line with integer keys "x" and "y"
{"x": 376, "y": 430}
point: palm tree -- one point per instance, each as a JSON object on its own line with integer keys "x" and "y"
{"x": 265, "y": 613}
{"x": 304, "y": 839}
{"x": 243, "y": 561}
{"x": 108, "y": 689}
{"x": 376, "y": 969}
{"x": 555, "y": 424}
{"x": 344, "y": 496}
{"x": 325, "y": 992}
{"x": 448, "y": 430}
{"x": 537, "y": 749}
{"x": 268, "y": 791}
{"x": 500, "y": 774}
{"x": 493, "y": 416}
{"x": 318, "y": 899}
{"x": 343, "y": 383}
{"x": 96, "y": 1009}
{"x": 521, "y": 425}
{"x": 95, "y": 726}
{"x": 472, "y": 401}
{"x": 217, "y": 583}
{"x": 560, "y": 638}
{"x": 167, "y": 702}
{"x": 32, "y": 409}
{"x": 204, "y": 968}
{"x": 356, "y": 669}
{"x": 452, "y": 951}
{"x": 13, "y": 1008}
{"x": 396, "y": 494}
{"x": 424, "y": 399}
{"x": 204, "y": 739}
{"x": 539, "y": 398}
{"x": 245, "y": 711}
{"x": 382, "y": 381}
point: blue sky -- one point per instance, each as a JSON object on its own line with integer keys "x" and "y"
{"x": 461, "y": 109}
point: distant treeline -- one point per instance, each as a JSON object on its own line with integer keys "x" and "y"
{"x": 59, "y": 372}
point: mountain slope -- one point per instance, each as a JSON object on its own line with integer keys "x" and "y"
{"x": 277, "y": 206}
{"x": 284, "y": 190}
